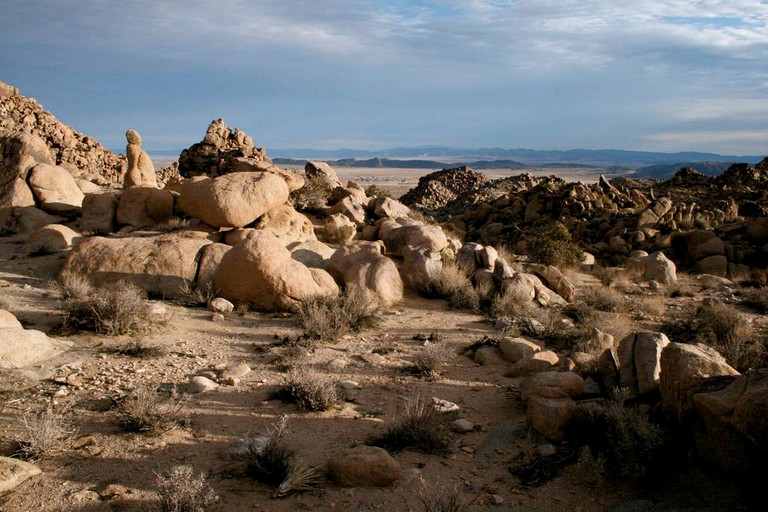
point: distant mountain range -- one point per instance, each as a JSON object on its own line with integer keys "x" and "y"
{"x": 391, "y": 163}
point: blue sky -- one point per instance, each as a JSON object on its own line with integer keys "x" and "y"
{"x": 545, "y": 74}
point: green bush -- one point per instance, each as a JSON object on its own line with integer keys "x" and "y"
{"x": 554, "y": 246}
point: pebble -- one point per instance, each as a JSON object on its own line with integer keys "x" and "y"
{"x": 463, "y": 426}
{"x": 220, "y": 305}
{"x": 444, "y": 406}
{"x": 546, "y": 449}
{"x": 496, "y": 499}
{"x": 468, "y": 449}
{"x": 238, "y": 371}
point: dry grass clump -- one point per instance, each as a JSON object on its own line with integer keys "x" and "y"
{"x": 149, "y": 412}
{"x": 452, "y": 283}
{"x": 269, "y": 461}
{"x": 313, "y": 196}
{"x": 309, "y": 390}
{"x": 418, "y": 429}
{"x": 605, "y": 299}
{"x": 618, "y": 325}
{"x": 440, "y": 498}
{"x": 731, "y": 334}
{"x": 554, "y": 246}
{"x": 180, "y": 490}
{"x": 137, "y": 348}
{"x": 327, "y": 318}
{"x": 431, "y": 359}
{"x": 655, "y": 306}
{"x": 43, "y": 434}
{"x": 511, "y": 304}
{"x": 112, "y": 310}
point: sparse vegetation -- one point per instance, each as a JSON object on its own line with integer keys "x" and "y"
{"x": 554, "y": 246}
{"x": 327, "y": 318}
{"x": 313, "y": 196}
{"x": 605, "y": 299}
{"x": 112, "y": 310}
{"x": 441, "y": 498}
{"x": 309, "y": 390}
{"x": 417, "y": 429}
{"x": 431, "y": 359}
{"x": 180, "y": 490}
{"x": 452, "y": 283}
{"x": 271, "y": 462}
{"x": 150, "y": 412}
{"x": 511, "y": 304}
{"x": 757, "y": 299}
{"x": 376, "y": 191}
{"x": 43, "y": 434}
{"x": 137, "y": 348}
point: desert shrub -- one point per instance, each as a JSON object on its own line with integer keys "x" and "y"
{"x": 757, "y": 299}
{"x": 376, "y": 191}
{"x": 557, "y": 331}
{"x": 605, "y": 299}
{"x": 655, "y": 306}
{"x": 114, "y": 310}
{"x": 452, "y": 283}
{"x": 431, "y": 358}
{"x": 196, "y": 295}
{"x": 309, "y": 390}
{"x": 150, "y": 412}
{"x": 581, "y": 313}
{"x": 622, "y": 438}
{"x": 618, "y": 325}
{"x": 417, "y": 429}
{"x": 554, "y": 246}
{"x": 43, "y": 434}
{"x": 441, "y": 498}
{"x": 269, "y": 461}
{"x": 511, "y": 304}
{"x": 313, "y": 196}
{"x": 589, "y": 467}
{"x": 730, "y": 333}
{"x": 327, "y": 318}
{"x": 180, "y": 490}
{"x": 137, "y": 348}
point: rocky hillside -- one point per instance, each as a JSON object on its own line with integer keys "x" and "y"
{"x": 77, "y": 152}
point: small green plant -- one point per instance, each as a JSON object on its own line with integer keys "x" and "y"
{"x": 152, "y": 413}
{"x": 554, "y": 246}
{"x": 180, "y": 490}
{"x": 418, "y": 429}
{"x": 309, "y": 390}
{"x": 43, "y": 434}
{"x": 327, "y": 318}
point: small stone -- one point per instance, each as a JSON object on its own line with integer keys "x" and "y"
{"x": 208, "y": 374}
{"x": 200, "y": 384}
{"x": 468, "y": 449}
{"x": 220, "y": 305}
{"x": 217, "y": 317}
{"x": 496, "y": 499}
{"x": 238, "y": 371}
{"x": 463, "y": 426}
{"x": 337, "y": 364}
{"x": 444, "y": 406}
{"x": 546, "y": 449}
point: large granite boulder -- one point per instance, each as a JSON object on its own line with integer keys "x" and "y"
{"x": 163, "y": 265}
{"x": 142, "y": 207}
{"x": 21, "y": 348}
{"x": 55, "y": 190}
{"x": 640, "y": 361}
{"x": 362, "y": 265}
{"x": 232, "y": 200}
{"x": 259, "y": 271}
{"x": 287, "y": 224}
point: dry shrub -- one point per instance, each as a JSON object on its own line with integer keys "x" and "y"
{"x": 681, "y": 289}
{"x": 431, "y": 359}
{"x": 418, "y": 429}
{"x": 511, "y": 304}
{"x": 327, "y": 318}
{"x": 757, "y": 300}
{"x": 452, "y": 283}
{"x": 152, "y": 413}
{"x": 181, "y": 490}
{"x": 137, "y": 348}
{"x": 618, "y": 325}
{"x": 309, "y": 390}
{"x": 655, "y": 306}
{"x": 43, "y": 434}
{"x": 313, "y": 196}
{"x": 440, "y": 498}
{"x": 605, "y": 299}
{"x": 269, "y": 461}
{"x": 621, "y": 438}
{"x": 730, "y": 333}
{"x": 558, "y": 331}
{"x": 117, "y": 309}
{"x": 197, "y": 295}
{"x": 554, "y": 246}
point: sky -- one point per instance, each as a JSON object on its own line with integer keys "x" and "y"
{"x": 677, "y": 75}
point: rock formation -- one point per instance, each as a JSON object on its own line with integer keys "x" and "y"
{"x": 140, "y": 171}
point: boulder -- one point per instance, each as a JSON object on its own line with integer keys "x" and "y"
{"x": 339, "y": 229}
{"x": 287, "y": 224}
{"x": 259, "y": 271}
{"x": 7, "y": 319}
{"x": 555, "y": 280}
{"x": 351, "y": 209}
{"x": 312, "y": 253}
{"x": 210, "y": 259}
{"x": 323, "y": 171}
{"x": 388, "y": 207}
{"x": 552, "y": 417}
{"x": 99, "y": 213}
{"x": 163, "y": 265}
{"x": 232, "y": 200}
{"x": 516, "y": 349}
{"x": 19, "y": 153}
{"x": 683, "y": 366}
{"x": 424, "y": 236}
{"x": 489, "y": 356}
{"x": 543, "y": 361}
{"x": 144, "y": 206}
{"x": 52, "y": 238}
{"x": 715, "y": 265}
{"x": 598, "y": 343}
{"x": 55, "y": 190}
{"x": 242, "y": 164}
{"x": 640, "y": 361}
{"x": 657, "y": 267}
{"x": 361, "y": 265}
{"x": 219, "y": 305}
{"x": 28, "y": 219}
{"x": 552, "y": 385}
{"x": 87, "y": 187}
{"x": 21, "y": 348}
{"x": 420, "y": 267}
{"x": 467, "y": 258}
{"x": 363, "y": 466}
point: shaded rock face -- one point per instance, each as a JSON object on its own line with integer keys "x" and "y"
{"x": 66, "y": 147}
{"x": 214, "y": 154}
{"x": 163, "y": 266}
{"x": 259, "y": 271}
